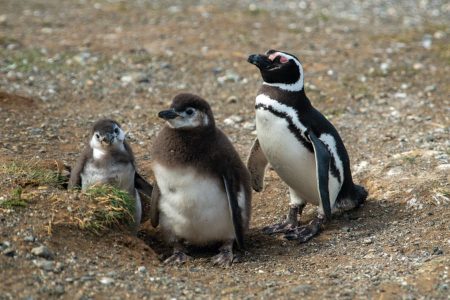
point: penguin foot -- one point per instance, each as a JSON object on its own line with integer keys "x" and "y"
{"x": 304, "y": 233}
{"x": 177, "y": 258}
{"x": 226, "y": 257}
{"x": 282, "y": 227}
{"x": 223, "y": 259}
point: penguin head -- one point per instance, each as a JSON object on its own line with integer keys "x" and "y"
{"x": 187, "y": 112}
{"x": 279, "y": 69}
{"x": 107, "y": 133}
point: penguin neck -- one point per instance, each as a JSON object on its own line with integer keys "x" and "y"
{"x": 296, "y": 99}
{"x": 181, "y": 147}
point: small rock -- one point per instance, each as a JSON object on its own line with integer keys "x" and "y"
{"x": 29, "y": 239}
{"x": 367, "y": 241}
{"x": 414, "y": 203}
{"x": 142, "y": 269}
{"x": 443, "y": 287}
{"x": 384, "y": 67}
{"x": 3, "y": 19}
{"x": 86, "y": 278}
{"x": 58, "y": 290}
{"x": 10, "y": 252}
{"x": 106, "y": 280}
{"x": 361, "y": 167}
{"x": 42, "y": 251}
{"x": 417, "y": 66}
{"x": 4, "y": 245}
{"x": 430, "y": 88}
{"x": 231, "y": 120}
{"x": 427, "y": 40}
{"x": 394, "y": 172}
{"x": 44, "y": 264}
{"x": 400, "y": 95}
{"x": 228, "y": 77}
{"x": 126, "y": 78}
{"x": 301, "y": 289}
{"x": 232, "y": 99}
{"x": 443, "y": 167}
{"x": 249, "y": 126}
{"x": 437, "y": 251}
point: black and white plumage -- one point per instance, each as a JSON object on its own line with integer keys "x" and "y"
{"x": 203, "y": 192}
{"x": 302, "y": 146}
{"x": 108, "y": 159}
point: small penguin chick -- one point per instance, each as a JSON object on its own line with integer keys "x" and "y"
{"x": 202, "y": 193}
{"x": 108, "y": 159}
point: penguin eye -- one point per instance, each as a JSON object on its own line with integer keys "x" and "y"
{"x": 189, "y": 111}
{"x": 97, "y": 136}
{"x": 116, "y": 130}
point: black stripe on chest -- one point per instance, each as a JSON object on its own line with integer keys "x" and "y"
{"x": 292, "y": 128}
{"x": 296, "y": 132}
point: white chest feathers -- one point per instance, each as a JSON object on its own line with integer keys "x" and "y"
{"x": 119, "y": 175}
{"x": 194, "y": 207}
{"x": 278, "y": 133}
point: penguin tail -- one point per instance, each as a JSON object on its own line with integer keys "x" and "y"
{"x": 359, "y": 195}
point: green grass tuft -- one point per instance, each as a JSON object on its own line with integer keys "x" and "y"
{"x": 107, "y": 207}
{"x": 15, "y": 200}
{"x": 30, "y": 173}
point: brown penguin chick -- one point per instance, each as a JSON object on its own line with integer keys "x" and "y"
{"x": 202, "y": 192}
{"x": 108, "y": 159}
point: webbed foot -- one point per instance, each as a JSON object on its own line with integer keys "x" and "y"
{"x": 177, "y": 258}
{"x": 304, "y": 233}
{"x": 226, "y": 257}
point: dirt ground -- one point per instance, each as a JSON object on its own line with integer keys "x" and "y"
{"x": 378, "y": 70}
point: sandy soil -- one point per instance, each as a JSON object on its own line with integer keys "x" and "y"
{"x": 378, "y": 71}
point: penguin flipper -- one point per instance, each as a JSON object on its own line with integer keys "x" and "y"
{"x": 235, "y": 210}
{"x": 154, "y": 206}
{"x": 144, "y": 190}
{"x": 256, "y": 164}
{"x": 142, "y": 185}
{"x": 75, "y": 173}
{"x": 323, "y": 159}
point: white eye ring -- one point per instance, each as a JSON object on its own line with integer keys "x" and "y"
{"x": 189, "y": 111}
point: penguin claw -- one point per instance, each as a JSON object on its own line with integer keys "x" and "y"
{"x": 224, "y": 259}
{"x": 302, "y": 233}
{"x": 178, "y": 258}
{"x": 282, "y": 227}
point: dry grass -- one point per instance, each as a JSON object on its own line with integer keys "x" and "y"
{"x": 98, "y": 209}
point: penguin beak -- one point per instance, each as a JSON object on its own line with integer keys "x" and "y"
{"x": 261, "y": 61}
{"x": 108, "y": 138}
{"x": 168, "y": 114}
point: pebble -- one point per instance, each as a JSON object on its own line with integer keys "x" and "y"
{"x": 303, "y": 289}
{"x": 42, "y": 251}
{"x": 231, "y": 120}
{"x": 367, "y": 241}
{"x": 443, "y": 167}
{"x": 228, "y": 77}
{"x": 414, "y": 203}
{"x": 142, "y": 269}
{"x": 249, "y": 126}
{"x": 232, "y": 99}
{"x": 394, "y": 171}
{"x": 29, "y": 239}
{"x": 10, "y": 252}
{"x": 437, "y": 251}
{"x": 4, "y": 245}
{"x": 46, "y": 265}
{"x": 106, "y": 280}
